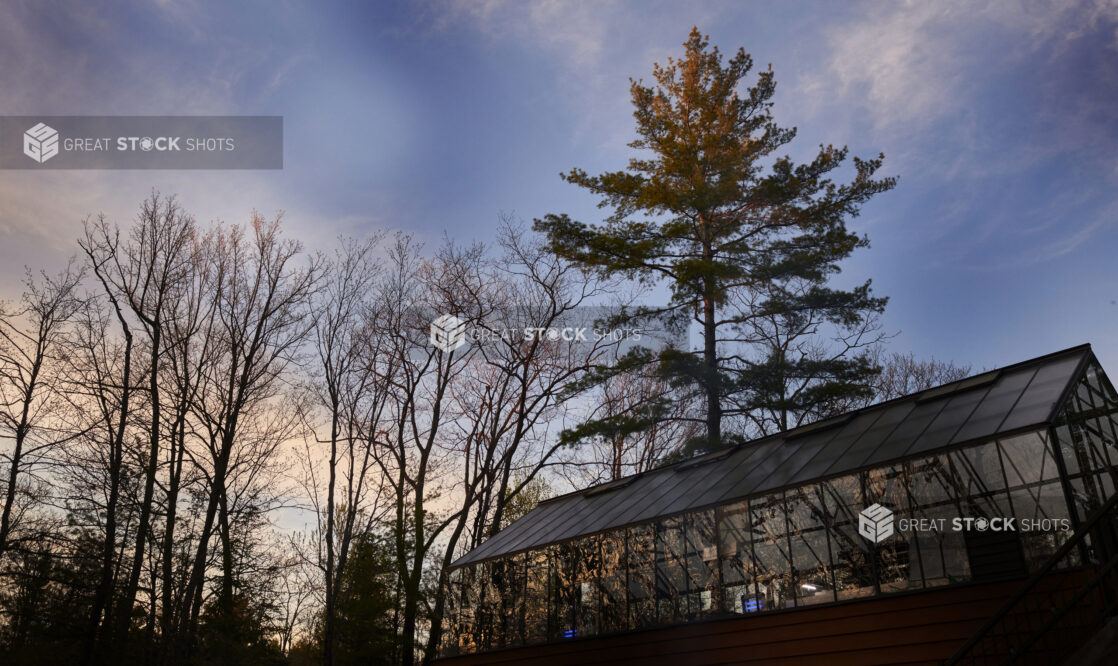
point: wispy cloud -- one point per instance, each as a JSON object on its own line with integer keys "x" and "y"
{"x": 591, "y": 49}
{"x": 574, "y": 31}
{"x": 912, "y": 63}
{"x": 1001, "y": 118}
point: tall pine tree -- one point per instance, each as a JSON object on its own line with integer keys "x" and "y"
{"x": 747, "y": 241}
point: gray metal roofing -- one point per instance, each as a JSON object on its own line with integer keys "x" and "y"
{"x": 1012, "y": 398}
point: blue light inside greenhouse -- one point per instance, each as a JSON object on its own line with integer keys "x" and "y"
{"x": 752, "y": 605}
{"x": 570, "y": 633}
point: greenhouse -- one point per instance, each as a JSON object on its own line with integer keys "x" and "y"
{"x": 977, "y": 481}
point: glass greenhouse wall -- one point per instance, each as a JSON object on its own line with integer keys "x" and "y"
{"x": 800, "y": 546}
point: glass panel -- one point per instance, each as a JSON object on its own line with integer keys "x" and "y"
{"x": 772, "y": 559}
{"x": 563, "y": 622}
{"x": 1088, "y": 447}
{"x": 1088, "y": 431}
{"x": 1107, "y": 482}
{"x": 575, "y": 588}
{"x": 671, "y": 573}
{"x": 588, "y": 584}
{"x": 992, "y": 554}
{"x": 614, "y": 609}
{"x": 702, "y": 564}
{"x": 977, "y": 477}
{"x": 1035, "y": 405}
{"x": 490, "y": 628}
{"x": 1042, "y": 521}
{"x": 889, "y": 488}
{"x": 942, "y": 551}
{"x": 850, "y": 551}
{"x": 536, "y": 597}
{"x": 1087, "y": 493}
{"x": 932, "y": 482}
{"x": 1100, "y": 435}
{"x": 811, "y": 560}
{"x": 448, "y": 646}
{"x": 1097, "y": 379}
{"x": 739, "y": 594}
{"x": 1066, "y": 447}
{"x": 1028, "y": 459}
{"x": 512, "y": 596}
{"x": 641, "y": 543}
{"x": 978, "y": 470}
{"x": 467, "y": 633}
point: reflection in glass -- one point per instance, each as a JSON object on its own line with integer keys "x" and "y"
{"x": 450, "y": 627}
{"x": 1088, "y": 429}
{"x": 536, "y": 597}
{"x": 977, "y": 469}
{"x": 701, "y": 562}
{"x": 671, "y": 575}
{"x": 1041, "y": 512}
{"x": 508, "y": 587}
{"x": 739, "y": 594}
{"x": 589, "y": 569}
{"x": 853, "y": 567}
{"x": 813, "y": 578}
{"x": 888, "y": 487}
{"x": 772, "y": 559}
{"x": 563, "y": 622}
{"x": 641, "y": 543}
{"x": 489, "y": 623}
{"x": 575, "y": 568}
{"x": 614, "y": 608}
{"x": 467, "y": 638}
{"x": 1028, "y": 459}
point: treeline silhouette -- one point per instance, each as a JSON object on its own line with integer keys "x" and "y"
{"x": 218, "y": 447}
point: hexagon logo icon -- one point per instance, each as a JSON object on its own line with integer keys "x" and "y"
{"x": 875, "y": 523}
{"x": 40, "y": 143}
{"x": 448, "y": 333}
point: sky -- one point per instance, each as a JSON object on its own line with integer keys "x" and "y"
{"x": 437, "y": 117}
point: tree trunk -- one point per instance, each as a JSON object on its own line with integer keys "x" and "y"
{"x": 712, "y": 381}
{"x": 100, "y": 617}
{"x": 226, "y": 597}
{"x": 192, "y": 597}
{"x": 129, "y": 597}
{"x": 329, "y": 642}
{"x": 167, "y": 618}
{"x": 710, "y": 363}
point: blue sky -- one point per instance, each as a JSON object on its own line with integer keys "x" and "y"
{"x": 435, "y": 117}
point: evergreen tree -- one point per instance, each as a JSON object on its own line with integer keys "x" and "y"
{"x": 747, "y": 240}
{"x": 366, "y": 634}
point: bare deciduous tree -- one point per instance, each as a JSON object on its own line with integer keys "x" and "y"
{"x": 31, "y": 337}
{"x": 346, "y": 396}
{"x": 260, "y": 298}
{"x": 146, "y": 275}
